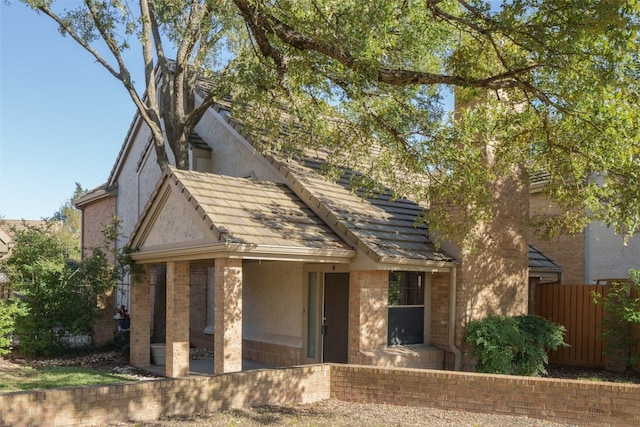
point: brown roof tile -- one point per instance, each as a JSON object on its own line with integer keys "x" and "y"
{"x": 256, "y": 212}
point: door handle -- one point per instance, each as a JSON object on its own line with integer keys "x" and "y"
{"x": 323, "y": 329}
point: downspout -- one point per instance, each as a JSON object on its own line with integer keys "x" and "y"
{"x": 452, "y": 321}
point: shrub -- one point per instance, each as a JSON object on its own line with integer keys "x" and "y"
{"x": 9, "y": 312}
{"x": 515, "y": 345}
{"x": 59, "y": 292}
{"x": 621, "y": 304}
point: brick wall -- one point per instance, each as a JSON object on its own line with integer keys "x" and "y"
{"x": 148, "y": 400}
{"x": 368, "y": 297}
{"x": 584, "y": 403}
{"x": 198, "y": 308}
{"x": 565, "y": 401}
{"x": 95, "y": 217}
{"x": 271, "y": 354}
{"x": 566, "y": 250}
{"x": 439, "y": 328}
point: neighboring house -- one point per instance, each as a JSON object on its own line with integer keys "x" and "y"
{"x": 592, "y": 255}
{"x": 265, "y": 259}
{"x": 98, "y": 210}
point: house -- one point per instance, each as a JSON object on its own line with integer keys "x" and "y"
{"x": 595, "y": 254}
{"x": 265, "y": 259}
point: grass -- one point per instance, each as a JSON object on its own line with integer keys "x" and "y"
{"x": 29, "y": 378}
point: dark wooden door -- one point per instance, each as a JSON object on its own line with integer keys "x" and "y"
{"x": 335, "y": 342}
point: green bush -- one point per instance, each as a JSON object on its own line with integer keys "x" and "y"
{"x": 59, "y": 292}
{"x": 622, "y": 309}
{"x": 9, "y": 312}
{"x": 515, "y": 345}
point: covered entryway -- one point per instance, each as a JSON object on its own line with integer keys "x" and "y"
{"x": 252, "y": 251}
{"x": 335, "y": 327}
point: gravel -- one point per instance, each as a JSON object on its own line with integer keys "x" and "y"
{"x": 336, "y": 413}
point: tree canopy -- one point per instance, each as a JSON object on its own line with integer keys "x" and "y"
{"x": 549, "y": 86}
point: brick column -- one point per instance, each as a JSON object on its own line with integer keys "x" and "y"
{"x": 228, "y": 316}
{"x": 368, "y": 298}
{"x": 177, "y": 356}
{"x": 140, "y": 311}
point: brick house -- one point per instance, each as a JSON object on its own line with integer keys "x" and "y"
{"x": 594, "y": 254}
{"x": 266, "y": 260}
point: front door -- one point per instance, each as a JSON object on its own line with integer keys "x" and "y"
{"x": 335, "y": 326}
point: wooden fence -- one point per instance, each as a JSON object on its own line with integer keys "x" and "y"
{"x": 573, "y": 307}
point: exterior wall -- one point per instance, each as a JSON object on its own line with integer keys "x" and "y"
{"x": 95, "y": 217}
{"x": 272, "y": 354}
{"x": 137, "y": 177}
{"x": 440, "y": 303}
{"x": 566, "y": 250}
{"x": 606, "y": 254}
{"x": 140, "y": 172}
{"x": 493, "y": 279}
{"x": 584, "y": 403}
{"x": 273, "y": 303}
{"x": 368, "y": 299}
{"x": 231, "y": 155}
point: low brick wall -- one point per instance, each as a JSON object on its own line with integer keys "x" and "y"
{"x": 148, "y": 400}
{"x": 576, "y": 402}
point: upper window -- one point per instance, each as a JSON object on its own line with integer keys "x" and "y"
{"x": 201, "y": 161}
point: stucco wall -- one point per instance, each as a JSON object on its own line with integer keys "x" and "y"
{"x": 607, "y": 255}
{"x": 272, "y": 294}
{"x": 138, "y": 176}
{"x": 231, "y": 155}
{"x": 176, "y": 222}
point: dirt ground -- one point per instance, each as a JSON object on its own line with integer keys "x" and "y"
{"x": 326, "y": 413}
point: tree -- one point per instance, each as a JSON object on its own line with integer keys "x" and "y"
{"x": 196, "y": 28}
{"x": 70, "y": 220}
{"x": 54, "y": 294}
{"x": 548, "y": 86}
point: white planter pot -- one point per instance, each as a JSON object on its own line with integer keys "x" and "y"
{"x": 158, "y": 351}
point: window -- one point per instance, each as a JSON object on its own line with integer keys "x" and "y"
{"x": 406, "y": 288}
{"x": 201, "y": 160}
{"x": 406, "y": 308}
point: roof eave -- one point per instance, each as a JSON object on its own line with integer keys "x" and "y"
{"x": 386, "y": 263}
{"x": 244, "y": 251}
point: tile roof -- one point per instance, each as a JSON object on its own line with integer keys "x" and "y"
{"x": 255, "y": 212}
{"x": 387, "y": 230}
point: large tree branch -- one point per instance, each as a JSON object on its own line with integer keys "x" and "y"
{"x": 262, "y": 23}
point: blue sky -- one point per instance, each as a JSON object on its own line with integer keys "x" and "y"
{"x": 63, "y": 118}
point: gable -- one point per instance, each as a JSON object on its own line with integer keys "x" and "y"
{"x": 174, "y": 224}
{"x": 205, "y": 214}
